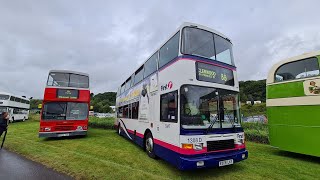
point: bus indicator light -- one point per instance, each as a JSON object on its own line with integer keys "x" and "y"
{"x": 187, "y": 146}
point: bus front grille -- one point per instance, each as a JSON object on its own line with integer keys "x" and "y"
{"x": 64, "y": 128}
{"x": 220, "y": 145}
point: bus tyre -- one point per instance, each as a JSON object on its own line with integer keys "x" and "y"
{"x": 119, "y": 130}
{"x": 24, "y": 119}
{"x": 12, "y": 120}
{"x": 149, "y": 145}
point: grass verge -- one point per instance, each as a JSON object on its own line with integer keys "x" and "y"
{"x": 105, "y": 155}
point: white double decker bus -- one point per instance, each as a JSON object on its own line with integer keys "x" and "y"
{"x": 182, "y": 104}
{"x": 17, "y": 106}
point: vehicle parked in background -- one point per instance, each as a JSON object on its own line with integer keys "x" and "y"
{"x": 293, "y": 104}
{"x": 66, "y": 103}
{"x": 18, "y": 107}
{"x": 256, "y": 119}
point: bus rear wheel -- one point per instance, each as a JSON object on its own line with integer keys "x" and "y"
{"x": 149, "y": 146}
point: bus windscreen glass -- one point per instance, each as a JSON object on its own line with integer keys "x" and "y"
{"x": 206, "y": 44}
{"x": 203, "y": 106}
{"x": 68, "y": 80}
{"x": 4, "y": 97}
{"x": 65, "y": 111}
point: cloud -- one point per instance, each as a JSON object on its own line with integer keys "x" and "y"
{"x": 110, "y": 39}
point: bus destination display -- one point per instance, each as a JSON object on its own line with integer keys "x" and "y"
{"x": 215, "y": 74}
{"x": 67, "y": 94}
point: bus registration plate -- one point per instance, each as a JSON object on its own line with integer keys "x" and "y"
{"x": 226, "y": 162}
{"x": 63, "y": 135}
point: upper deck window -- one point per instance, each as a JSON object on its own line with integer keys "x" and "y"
{"x": 138, "y": 75}
{"x": 206, "y": 44}
{"x": 151, "y": 65}
{"x": 4, "y": 97}
{"x": 68, "y": 80}
{"x": 170, "y": 50}
{"x": 297, "y": 70}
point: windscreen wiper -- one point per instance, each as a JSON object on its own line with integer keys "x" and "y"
{"x": 211, "y": 124}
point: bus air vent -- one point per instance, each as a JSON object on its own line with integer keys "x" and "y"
{"x": 220, "y": 145}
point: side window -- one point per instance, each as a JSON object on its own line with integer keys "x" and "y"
{"x": 125, "y": 111}
{"x": 12, "y": 98}
{"x": 122, "y": 88}
{"x": 118, "y": 92}
{"x": 128, "y": 84}
{"x": 151, "y": 65}
{"x": 130, "y": 111}
{"x": 297, "y": 70}
{"x": 120, "y": 110}
{"x": 168, "y": 107}
{"x": 135, "y": 110}
{"x": 138, "y": 76}
{"x": 170, "y": 50}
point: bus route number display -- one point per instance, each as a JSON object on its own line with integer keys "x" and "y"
{"x": 215, "y": 74}
{"x": 67, "y": 94}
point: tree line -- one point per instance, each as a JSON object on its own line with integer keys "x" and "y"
{"x": 101, "y": 102}
{"x": 253, "y": 90}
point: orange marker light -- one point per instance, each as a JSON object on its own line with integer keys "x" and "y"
{"x": 187, "y": 146}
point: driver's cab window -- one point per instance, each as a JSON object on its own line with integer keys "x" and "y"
{"x": 168, "y": 107}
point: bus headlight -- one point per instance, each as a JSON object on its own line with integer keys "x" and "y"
{"x": 47, "y": 129}
{"x": 198, "y": 146}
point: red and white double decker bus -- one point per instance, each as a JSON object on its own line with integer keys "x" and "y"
{"x": 65, "y": 105}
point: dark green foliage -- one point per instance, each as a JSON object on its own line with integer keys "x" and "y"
{"x": 34, "y": 103}
{"x": 256, "y": 132}
{"x": 103, "y": 123}
{"x": 253, "y": 110}
{"x": 101, "y": 102}
{"x": 253, "y": 89}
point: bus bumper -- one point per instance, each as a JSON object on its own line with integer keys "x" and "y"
{"x": 207, "y": 161}
{"x": 62, "y": 134}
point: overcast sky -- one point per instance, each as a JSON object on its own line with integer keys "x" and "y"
{"x": 109, "y": 39}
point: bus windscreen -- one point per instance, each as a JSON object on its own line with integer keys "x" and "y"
{"x": 206, "y": 44}
{"x": 68, "y": 80}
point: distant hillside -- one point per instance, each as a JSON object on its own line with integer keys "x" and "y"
{"x": 255, "y": 90}
{"x": 101, "y": 102}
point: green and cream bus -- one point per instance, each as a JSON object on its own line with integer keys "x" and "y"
{"x": 293, "y": 104}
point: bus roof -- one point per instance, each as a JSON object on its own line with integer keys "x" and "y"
{"x": 9, "y": 94}
{"x": 270, "y": 78}
{"x": 184, "y": 24}
{"x": 68, "y": 71}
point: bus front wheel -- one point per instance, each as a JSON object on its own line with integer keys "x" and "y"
{"x": 119, "y": 130}
{"x": 149, "y": 146}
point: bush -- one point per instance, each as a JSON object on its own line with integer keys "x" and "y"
{"x": 256, "y": 132}
{"x": 253, "y": 110}
{"x": 103, "y": 123}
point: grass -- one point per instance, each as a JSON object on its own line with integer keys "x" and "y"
{"x": 105, "y": 155}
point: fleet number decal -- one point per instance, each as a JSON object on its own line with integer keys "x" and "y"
{"x": 194, "y": 140}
